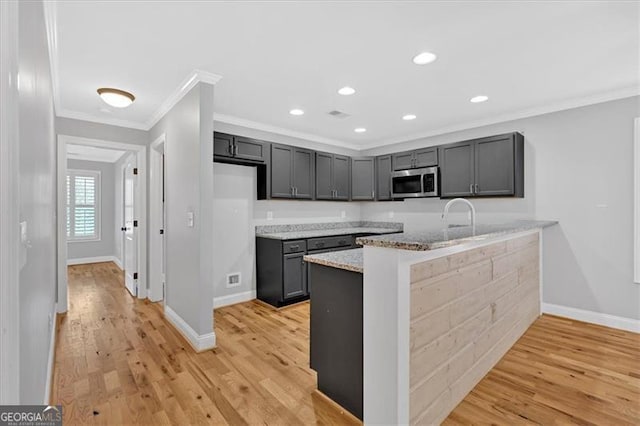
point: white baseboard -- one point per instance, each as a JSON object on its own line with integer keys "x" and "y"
{"x": 118, "y": 262}
{"x": 621, "y": 323}
{"x": 199, "y": 342}
{"x": 52, "y": 354}
{"x": 97, "y": 259}
{"x": 232, "y": 299}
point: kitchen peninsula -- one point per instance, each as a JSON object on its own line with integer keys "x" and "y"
{"x": 439, "y": 309}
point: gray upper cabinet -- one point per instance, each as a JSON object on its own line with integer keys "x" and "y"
{"x": 332, "y": 176}
{"x": 383, "y": 177}
{"x": 492, "y": 166}
{"x": 239, "y": 147}
{"x": 424, "y": 157}
{"x": 456, "y": 170}
{"x": 363, "y": 178}
{"x": 250, "y": 149}
{"x": 324, "y": 174}
{"x": 291, "y": 172}
{"x": 281, "y": 171}
{"x": 303, "y": 173}
{"x": 341, "y": 177}
{"x": 222, "y": 144}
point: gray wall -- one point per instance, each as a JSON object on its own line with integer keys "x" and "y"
{"x": 106, "y": 245}
{"x": 579, "y": 171}
{"x": 189, "y": 187}
{"x": 37, "y": 182}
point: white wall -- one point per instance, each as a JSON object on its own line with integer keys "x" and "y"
{"x": 188, "y": 127}
{"x": 579, "y": 171}
{"x": 236, "y": 212}
{"x": 36, "y": 183}
{"x": 106, "y": 245}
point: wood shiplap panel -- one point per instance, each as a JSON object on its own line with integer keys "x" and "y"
{"x": 466, "y": 311}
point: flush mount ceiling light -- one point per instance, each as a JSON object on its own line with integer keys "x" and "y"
{"x": 409, "y": 117}
{"x": 296, "y": 111}
{"x": 478, "y": 99}
{"x": 359, "y": 130}
{"x": 115, "y": 97}
{"x": 346, "y": 91}
{"x": 424, "y": 58}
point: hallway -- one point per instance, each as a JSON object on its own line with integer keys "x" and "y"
{"x": 119, "y": 362}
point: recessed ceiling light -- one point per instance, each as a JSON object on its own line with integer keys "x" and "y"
{"x": 424, "y": 58}
{"x": 409, "y": 117}
{"x": 346, "y": 91}
{"x": 296, "y": 111}
{"x": 479, "y": 98}
{"x": 359, "y": 130}
{"x": 115, "y": 97}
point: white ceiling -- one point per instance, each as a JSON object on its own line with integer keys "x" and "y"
{"x": 528, "y": 57}
{"x": 92, "y": 153}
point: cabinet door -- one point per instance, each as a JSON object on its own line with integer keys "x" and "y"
{"x": 222, "y": 144}
{"x": 281, "y": 170}
{"x": 494, "y": 166}
{"x": 341, "y": 176}
{"x": 402, "y": 161}
{"x": 456, "y": 170}
{"x": 294, "y": 276}
{"x": 324, "y": 172}
{"x": 303, "y": 173}
{"x": 362, "y": 178}
{"x": 383, "y": 177}
{"x": 250, "y": 149}
{"x": 426, "y": 157}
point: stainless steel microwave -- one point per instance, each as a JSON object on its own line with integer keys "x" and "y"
{"x": 415, "y": 183}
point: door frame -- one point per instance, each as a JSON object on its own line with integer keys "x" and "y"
{"x": 141, "y": 200}
{"x": 636, "y": 203}
{"x": 156, "y": 216}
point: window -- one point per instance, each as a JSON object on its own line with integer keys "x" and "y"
{"x": 83, "y": 205}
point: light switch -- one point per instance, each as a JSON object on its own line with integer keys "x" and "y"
{"x": 190, "y": 219}
{"x": 343, "y": 214}
{"x": 269, "y": 215}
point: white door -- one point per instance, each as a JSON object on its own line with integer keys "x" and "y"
{"x": 131, "y": 231}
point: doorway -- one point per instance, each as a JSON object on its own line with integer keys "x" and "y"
{"x": 157, "y": 215}
{"x": 128, "y": 208}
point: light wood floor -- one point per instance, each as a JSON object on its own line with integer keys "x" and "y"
{"x": 119, "y": 362}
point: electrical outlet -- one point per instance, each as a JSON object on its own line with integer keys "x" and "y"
{"x": 269, "y": 215}
{"x": 234, "y": 279}
{"x": 343, "y": 214}
{"x": 391, "y": 215}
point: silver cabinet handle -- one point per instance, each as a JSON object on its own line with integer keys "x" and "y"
{"x": 471, "y": 188}
{"x": 477, "y": 188}
{"x": 292, "y": 191}
{"x": 295, "y": 190}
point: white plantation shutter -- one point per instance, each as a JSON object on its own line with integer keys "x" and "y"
{"x": 82, "y": 205}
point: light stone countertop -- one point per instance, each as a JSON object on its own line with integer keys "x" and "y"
{"x": 329, "y": 229}
{"x": 350, "y": 260}
{"x": 435, "y": 239}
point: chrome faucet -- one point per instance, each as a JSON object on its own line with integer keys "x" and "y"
{"x": 445, "y": 214}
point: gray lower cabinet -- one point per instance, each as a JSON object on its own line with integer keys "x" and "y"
{"x": 294, "y": 276}
{"x": 363, "y": 178}
{"x": 332, "y": 173}
{"x": 491, "y": 166}
{"x": 292, "y": 171}
{"x": 424, "y": 157}
{"x": 383, "y": 177}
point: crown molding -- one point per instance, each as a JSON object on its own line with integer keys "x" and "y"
{"x": 237, "y": 121}
{"x": 625, "y": 92}
{"x": 77, "y": 115}
{"x": 195, "y": 77}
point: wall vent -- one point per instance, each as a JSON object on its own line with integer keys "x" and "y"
{"x": 234, "y": 279}
{"x": 338, "y": 114}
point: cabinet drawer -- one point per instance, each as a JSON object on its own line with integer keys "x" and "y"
{"x": 329, "y": 242}
{"x": 294, "y": 246}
